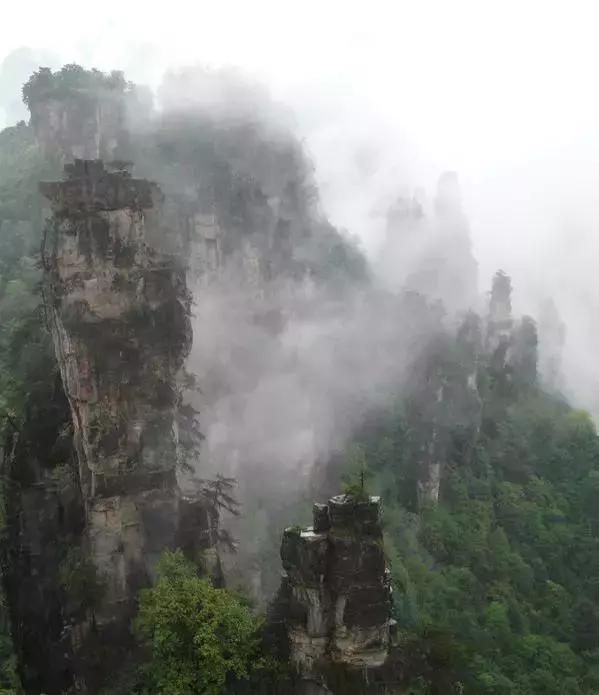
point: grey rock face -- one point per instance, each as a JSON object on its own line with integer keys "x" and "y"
{"x": 117, "y": 304}
{"x": 336, "y": 589}
{"x": 499, "y": 320}
{"x": 83, "y": 125}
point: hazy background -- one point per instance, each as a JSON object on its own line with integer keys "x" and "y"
{"x": 387, "y": 95}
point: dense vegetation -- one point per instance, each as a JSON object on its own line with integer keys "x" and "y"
{"x": 70, "y": 79}
{"x": 201, "y": 638}
{"x": 28, "y": 368}
{"x": 496, "y": 586}
{"x": 25, "y": 354}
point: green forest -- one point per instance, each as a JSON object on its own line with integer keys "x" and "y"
{"x": 496, "y": 586}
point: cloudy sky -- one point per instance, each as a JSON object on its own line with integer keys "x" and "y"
{"x": 388, "y": 95}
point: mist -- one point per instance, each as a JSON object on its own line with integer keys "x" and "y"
{"x": 288, "y": 361}
{"x": 383, "y": 97}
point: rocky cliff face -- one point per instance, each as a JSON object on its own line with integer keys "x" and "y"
{"x": 92, "y": 462}
{"x": 336, "y": 593}
{"x": 499, "y": 318}
{"x": 82, "y": 124}
{"x": 118, "y": 308}
{"x": 444, "y": 408}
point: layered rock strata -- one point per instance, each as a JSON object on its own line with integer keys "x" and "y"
{"x": 337, "y": 590}
{"x": 118, "y": 307}
{"x": 82, "y": 123}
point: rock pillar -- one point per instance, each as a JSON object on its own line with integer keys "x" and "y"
{"x": 337, "y": 590}
{"x": 118, "y": 308}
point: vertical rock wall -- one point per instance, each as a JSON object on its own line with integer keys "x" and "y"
{"x": 499, "y": 319}
{"x": 336, "y": 590}
{"x": 117, "y": 304}
{"x": 84, "y": 124}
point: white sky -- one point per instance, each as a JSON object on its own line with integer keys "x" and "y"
{"x": 505, "y": 92}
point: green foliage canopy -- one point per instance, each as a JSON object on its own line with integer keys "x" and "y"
{"x": 200, "y": 637}
{"x": 496, "y": 586}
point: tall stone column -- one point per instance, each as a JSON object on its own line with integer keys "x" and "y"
{"x": 335, "y": 597}
{"x": 118, "y": 307}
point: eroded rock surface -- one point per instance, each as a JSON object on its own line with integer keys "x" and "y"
{"x": 336, "y": 591}
{"x": 118, "y": 308}
{"x": 85, "y": 124}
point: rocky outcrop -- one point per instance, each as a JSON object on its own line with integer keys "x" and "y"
{"x": 82, "y": 122}
{"x": 499, "y": 319}
{"x": 428, "y": 414}
{"x": 336, "y": 592}
{"x": 523, "y": 354}
{"x": 444, "y": 409}
{"x": 511, "y": 346}
{"x": 118, "y": 308}
{"x": 430, "y": 250}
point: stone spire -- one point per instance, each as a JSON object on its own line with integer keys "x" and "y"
{"x": 337, "y": 590}
{"x": 118, "y": 309}
{"x": 499, "y": 319}
{"x": 76, "y": 113}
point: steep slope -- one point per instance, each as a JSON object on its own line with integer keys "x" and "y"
{"x": 494, "y": 580}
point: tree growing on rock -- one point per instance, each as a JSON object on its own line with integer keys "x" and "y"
{"x": 218, "y": 492}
